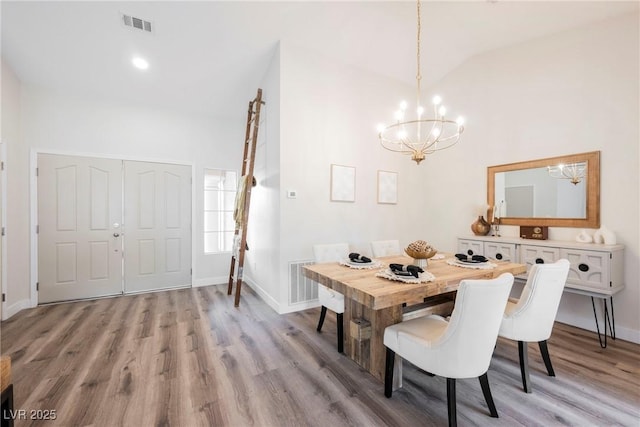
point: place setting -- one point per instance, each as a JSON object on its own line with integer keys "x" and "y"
{"x": 406, "y": 274}
{"x": 360, "y": 262}
{"x": 478, "y": 262}
{"x": 420, "y": 251}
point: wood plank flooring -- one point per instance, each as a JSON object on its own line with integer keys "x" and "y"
{"x": 189, "y": 358}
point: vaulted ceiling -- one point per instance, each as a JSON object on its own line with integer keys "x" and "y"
{"x": 209, "y": 56}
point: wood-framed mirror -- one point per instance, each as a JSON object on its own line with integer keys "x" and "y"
{"x": 559, "y": 191}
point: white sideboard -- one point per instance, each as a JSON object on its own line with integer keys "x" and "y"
{"x": 596, "y": 270}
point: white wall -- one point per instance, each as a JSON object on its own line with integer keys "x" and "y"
{"x": 262, "y": 262}
{"x": 573, "y": 92}
{"x": 320, "y": 112}
{"x": 329, "y": 113}
{"x": 17, "y": 239}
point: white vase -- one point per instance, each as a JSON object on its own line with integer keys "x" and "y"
{"x": 604, "y": 235}
{"x": 584, "y": 237}
{"x": 420, "y": 262}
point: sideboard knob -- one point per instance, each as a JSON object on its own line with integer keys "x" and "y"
{"x": 583, "y": 267}
{"x": 539, "y": 261}
{"x": 469, "y": 252}
{"x": 498, "y": 256}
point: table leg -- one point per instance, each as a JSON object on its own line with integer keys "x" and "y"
{"x": 371, "y": 355}
{"x": 608, "y": 321}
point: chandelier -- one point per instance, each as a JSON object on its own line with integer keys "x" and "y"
{"x": 420, "y": 136}
{"x": 574, "y": 172}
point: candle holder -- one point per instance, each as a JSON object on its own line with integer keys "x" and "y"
{"x": 495, "y": 224}
{"x": 493, "y": 216}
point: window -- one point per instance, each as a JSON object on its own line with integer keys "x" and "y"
{"x": 219, "y": 201}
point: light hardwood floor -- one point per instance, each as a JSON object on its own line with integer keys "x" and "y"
{"x": 189, "y": 358}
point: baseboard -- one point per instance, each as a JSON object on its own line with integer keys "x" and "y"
{"x": 279, "y": 308}
{"x": 622, "y": 333}
{"x": 275, "y": 305}
{"x": 208, "y": 281}
{"x": 300, "y": 306}
{"x": 628, "y": 334}
{"x": 15, "y": 308}
{"x": 265, "y": 296}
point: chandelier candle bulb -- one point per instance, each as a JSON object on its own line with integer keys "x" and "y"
{"x": 574, "y": 172}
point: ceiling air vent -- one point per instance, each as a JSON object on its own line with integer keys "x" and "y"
{"x": 133, "y": 22}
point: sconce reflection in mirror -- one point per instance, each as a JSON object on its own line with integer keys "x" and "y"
{"x": 574, "y": 172}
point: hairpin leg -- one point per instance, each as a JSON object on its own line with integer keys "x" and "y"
{"x": 608, "y": 321}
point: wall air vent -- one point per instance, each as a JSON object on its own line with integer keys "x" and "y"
{"x": 136, "y": 23}
{"x": 301, "y": 288}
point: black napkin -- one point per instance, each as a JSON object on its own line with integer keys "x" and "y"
{"x": 476, "y": 258}
{"x": 406, "y": 270}
{"x": 355, "y": 257}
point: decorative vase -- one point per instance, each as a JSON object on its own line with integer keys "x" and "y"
{"x": 604, "y": 235}
{"x": 584, "y": 237}
{"x": 420, "y": 262}
{"x": 480, "y": 227}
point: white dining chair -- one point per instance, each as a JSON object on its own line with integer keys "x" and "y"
{"x": 459, "y": 348}
{"x": 330, "y": 299}
{"x": 385, "y": 248}
{"x": 531, "y": 317}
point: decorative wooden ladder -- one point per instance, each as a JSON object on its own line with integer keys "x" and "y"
{"x": 250, "y": 142}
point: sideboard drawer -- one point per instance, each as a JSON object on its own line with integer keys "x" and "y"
{"x": 531, "y": 255}
{"x": 470, "y": 247}
{"x": 589, "y": 269}
{"x": 501, "y": 251}
{"x": 495, "y": 250}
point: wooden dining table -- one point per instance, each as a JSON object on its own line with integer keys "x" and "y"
{"x": 372, "y": 303}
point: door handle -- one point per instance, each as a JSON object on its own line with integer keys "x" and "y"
{"x": 116, "y": 234}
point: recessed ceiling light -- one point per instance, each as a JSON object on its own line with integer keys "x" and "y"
{"x": 140, "y": 63}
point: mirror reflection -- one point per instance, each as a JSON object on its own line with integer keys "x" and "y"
{"x": 555, "y": 191}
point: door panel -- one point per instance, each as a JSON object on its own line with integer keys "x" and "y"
{"x": 79, "y": 201}
{"x": 158, "y": 226}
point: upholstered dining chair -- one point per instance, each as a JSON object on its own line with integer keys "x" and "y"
{"x": 531, "y": 317}
{"x": 330, "y": 299}
{"x": 459, "y": 348}
{"x": 385, "y": 248}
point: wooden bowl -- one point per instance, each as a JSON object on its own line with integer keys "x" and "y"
{"x": 420, "y": 255}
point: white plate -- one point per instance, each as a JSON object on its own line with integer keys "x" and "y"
{"x": 358, "y": 263}
{"x": 477, "y": 265}
{"x": 390, "y": 275}
{"x": 472, "y": 261}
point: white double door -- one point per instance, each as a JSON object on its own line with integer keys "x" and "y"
{"x": 108, "y": 227}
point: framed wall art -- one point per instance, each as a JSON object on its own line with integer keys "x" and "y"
{"x": 387, "y": 187}
{"x": 343, "y": 183}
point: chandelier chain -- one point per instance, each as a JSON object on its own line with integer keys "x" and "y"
{"x": 418, "y": 75}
